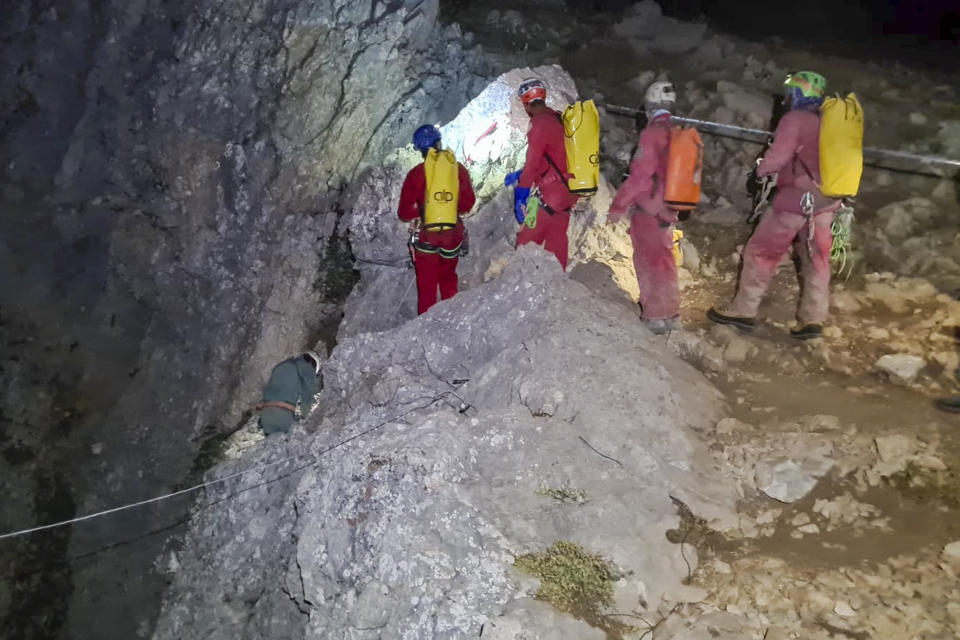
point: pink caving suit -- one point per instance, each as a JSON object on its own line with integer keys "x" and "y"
{"x": 651, "y": 222}
{"x": 795, "y": 156}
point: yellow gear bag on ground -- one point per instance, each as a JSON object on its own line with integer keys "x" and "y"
{"x": 581, "y": 128}
{"x": 443, "y": 190}
{"x": 841, "y": 146}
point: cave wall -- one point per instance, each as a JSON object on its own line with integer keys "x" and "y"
{"x": 202, "y": 149}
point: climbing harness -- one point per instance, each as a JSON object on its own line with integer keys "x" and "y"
{"x": 807, "y": 207}
{"x": 842, "y": 231}
{"x": 761, "y": 199}
{"x": 412, "y": 241}
{"x": 426, "y": 247}
{"x": 277, "y": 404}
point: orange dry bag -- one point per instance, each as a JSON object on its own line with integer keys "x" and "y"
{"x": 684, "y": 168}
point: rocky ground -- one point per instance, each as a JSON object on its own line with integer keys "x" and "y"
{"x": 815, "y": 486}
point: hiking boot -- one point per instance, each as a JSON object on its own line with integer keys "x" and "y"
{"x": 744, "y": 324}
{"x": 950, "y": 405}
{"x": 807, "y": 332}
{"x": 660, "y": 326}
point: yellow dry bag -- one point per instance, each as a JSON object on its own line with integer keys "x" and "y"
{"x": 841, "y": 146}
{"x": 443, "y": 190}
{"x": 581, "y": 128}
{"x": 677, "y": 247}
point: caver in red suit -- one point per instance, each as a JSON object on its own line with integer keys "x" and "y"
{"x": 546, "y": 168}
{"x": 436, "y": 254}
{"x": 651, "y": 221}
{"x": 799, "y": 211}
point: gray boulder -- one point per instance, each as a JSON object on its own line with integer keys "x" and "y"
{"x": 450, "y": 423}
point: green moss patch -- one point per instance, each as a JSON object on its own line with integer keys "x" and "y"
{"x": 564, "y": 494}
{"x": 574, "y": 581}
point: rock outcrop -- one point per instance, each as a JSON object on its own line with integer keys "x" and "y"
{"x": 452, "y": 425}
{"x": 199, "y": 153}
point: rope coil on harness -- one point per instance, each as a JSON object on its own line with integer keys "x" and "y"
{"x": 842, "y": 231}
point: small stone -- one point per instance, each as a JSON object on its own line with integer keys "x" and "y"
{"x": 918, "y": 118}
{"x": 738, "y": 350}
{"x": 96, "y": 448}
{"x": 832, "y": 332}
{"x": 788, "y": 480}
{"x": 809, "y": 528}
{"x": 768, "y": 516}
{"x": 687, "y": 593}
{"x": 722, "y": 567}
{"x": 878, "y": 333}
{"x": 894, "y": 447}
{"x": 843, "y": 609}
{"x": 800, "y": 519}
{"x": 952, "y": 551}
{"x": 844, "y": 302}
{"x": 901, "y": 367}
{"x": 927, "y": 461}
{"x": 732, "y": 425}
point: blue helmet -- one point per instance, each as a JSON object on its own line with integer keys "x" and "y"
{"x": 426, "y": 137}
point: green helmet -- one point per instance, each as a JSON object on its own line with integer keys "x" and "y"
{"x": 807, "y": 83}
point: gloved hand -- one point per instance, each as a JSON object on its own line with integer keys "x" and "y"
{"x": 512, "y": 178}
{"x": 615, "y": 215}
{"x": 520, "y": 195}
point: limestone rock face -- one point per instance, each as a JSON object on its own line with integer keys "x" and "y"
{"x": 459, "y": 417}
{"x": 200, "y": 151}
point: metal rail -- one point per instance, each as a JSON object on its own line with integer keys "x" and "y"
{"x": 880, "y": 158}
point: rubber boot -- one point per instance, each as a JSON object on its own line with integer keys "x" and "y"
{"x": 807, "y": 332}
{"x": 744, "y": 324}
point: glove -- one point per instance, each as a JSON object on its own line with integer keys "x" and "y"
{"x": 520, "y": 195}
{"x": 512, "y": 178}
{"x": 614, "y": 216}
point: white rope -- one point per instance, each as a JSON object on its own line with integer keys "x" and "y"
{"x": 197, "y": 487}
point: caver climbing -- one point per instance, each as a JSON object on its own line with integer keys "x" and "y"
{"x": 800, "y": 212}
{"x": 434, "y": 195}
{"x": 652, "y": 213}
{"x": 545, "y": 172}
{"x": 291, "y": 382}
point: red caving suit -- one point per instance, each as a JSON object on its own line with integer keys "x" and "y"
{"x": 546, "y": 139}
{"x": 434, "y": 270}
